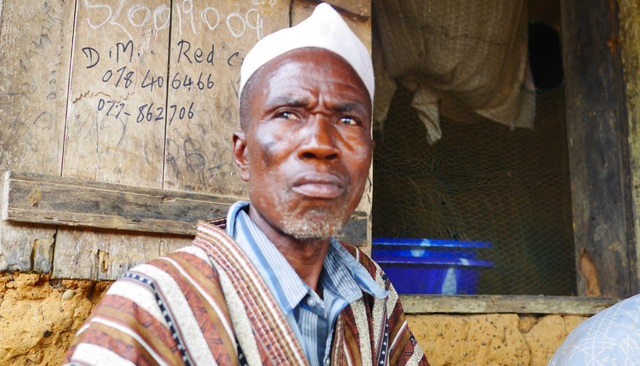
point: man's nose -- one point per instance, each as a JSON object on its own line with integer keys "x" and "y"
{"x": 319, "y": 140}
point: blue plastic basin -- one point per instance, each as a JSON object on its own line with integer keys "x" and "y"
{"x": 425, "y": 266}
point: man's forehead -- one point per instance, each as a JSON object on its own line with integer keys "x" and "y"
{"x": 323, "y": 66}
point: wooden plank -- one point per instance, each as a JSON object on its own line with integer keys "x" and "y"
{"x": 106, "y": 255}
{"x": 116, "y": 122}
{"x": 35, "y": 49}
{"x": 208, "y": 44}
{"x": 486, "y": 304}
{"x": 45, "y": 199}
{"x": 73, "y": 202}
{"x": 596, "y": 117}
{"x": 629, "y": 24}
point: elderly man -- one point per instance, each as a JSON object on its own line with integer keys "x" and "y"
{"x": 269, "y": 285}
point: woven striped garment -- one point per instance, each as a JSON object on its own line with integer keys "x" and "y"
{"x": 206, "y": 304}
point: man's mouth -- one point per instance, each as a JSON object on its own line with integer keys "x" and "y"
{"x": 322, "y": 186}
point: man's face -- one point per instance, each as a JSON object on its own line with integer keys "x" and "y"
{"x": 308, "y": 148}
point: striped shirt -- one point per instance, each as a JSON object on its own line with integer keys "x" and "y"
{"x": 342, "y": 281}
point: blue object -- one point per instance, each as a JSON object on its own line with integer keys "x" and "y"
{"x": 429, "y": 266}
{"x": 432, "y": 243}
{"x": 381, "y": 251}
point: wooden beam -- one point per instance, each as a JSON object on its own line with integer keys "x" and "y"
{"x": 42, "y": 199}
{"x": 484, "y": 304}
{"x": 597, "y": 130}
{"x": 629, "y": 45}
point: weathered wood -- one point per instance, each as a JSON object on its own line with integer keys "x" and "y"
{"x": 73, "y": 202}
{"x": 35, "y": 49}
{"x": 116, "y": 116}
{"x": 630, "y": 46}
{"x": 45, "y": 199}
{"x": 598, "y": 151}
{"x": 359, "y": 10}
{"x": 208, "y": 44}
{"x": 485, "y": 304}
{"x": 115, "y": 121}
{"x": 106, "y": 255}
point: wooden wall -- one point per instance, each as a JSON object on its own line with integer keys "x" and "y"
{"x": 137, "y": 94}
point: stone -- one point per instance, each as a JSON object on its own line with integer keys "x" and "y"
{"x": 527, "y": 322}
{"x": 545, "y": 338}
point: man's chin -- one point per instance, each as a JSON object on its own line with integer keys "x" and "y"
{"x": 316, "y": 224}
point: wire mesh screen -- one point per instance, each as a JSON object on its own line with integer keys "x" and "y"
{"x": 480, "y": 182}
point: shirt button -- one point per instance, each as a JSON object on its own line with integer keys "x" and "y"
{"x": 311, "y": 302}
{"x": 327, "y": 362}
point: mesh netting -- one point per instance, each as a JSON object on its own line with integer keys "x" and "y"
{"x": 481, "y": 181}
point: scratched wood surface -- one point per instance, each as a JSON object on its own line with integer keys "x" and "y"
{"x": 35, "y": 48}
{"x": 116, "y": 119}
{"x": 208, "y": 43}
{"x": 116, "y": 124}
{"x": 105, "y": 255}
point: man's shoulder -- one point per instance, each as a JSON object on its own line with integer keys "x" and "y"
{"x": 187, "y": 262}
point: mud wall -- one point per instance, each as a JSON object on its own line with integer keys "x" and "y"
{"x": 39, "y": 318}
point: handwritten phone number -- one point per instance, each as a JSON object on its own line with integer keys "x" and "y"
{"x": 146, "y": 111}
{"x": 127, "y": 78}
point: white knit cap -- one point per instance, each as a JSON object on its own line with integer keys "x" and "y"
{"x": 323, "y": 29}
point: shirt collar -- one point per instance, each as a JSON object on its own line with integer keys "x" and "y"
{"x": 341, "y": 274}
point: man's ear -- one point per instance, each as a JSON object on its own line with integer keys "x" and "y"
{"x": 240, "y": 154}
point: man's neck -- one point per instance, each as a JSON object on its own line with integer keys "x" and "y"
{"x": 305, "y": 256}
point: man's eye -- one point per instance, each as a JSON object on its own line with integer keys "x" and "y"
{"x": 348, "y": 121}
{"x": 287, "y": 115}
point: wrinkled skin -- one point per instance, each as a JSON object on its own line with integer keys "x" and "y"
{"x": 306, "y": 152}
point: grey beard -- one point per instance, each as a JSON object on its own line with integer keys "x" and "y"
{"x": 313, "y": 225}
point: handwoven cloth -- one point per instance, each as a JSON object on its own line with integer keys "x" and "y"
{"x": 206, "y": 304}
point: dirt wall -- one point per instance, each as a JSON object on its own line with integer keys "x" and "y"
{"x": 491, "y": 339}
{"x": 39, "y": 318}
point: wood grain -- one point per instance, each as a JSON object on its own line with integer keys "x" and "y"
{"x": 75, "y": 202}
{"x": 35, "y": 49}
{"x": 96, "y": 254}
{"x": 53, "y": 200}
{"x": 596, "y": 116}
{"x": 116, "y": 121}
{"x": 486, "y": 304}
